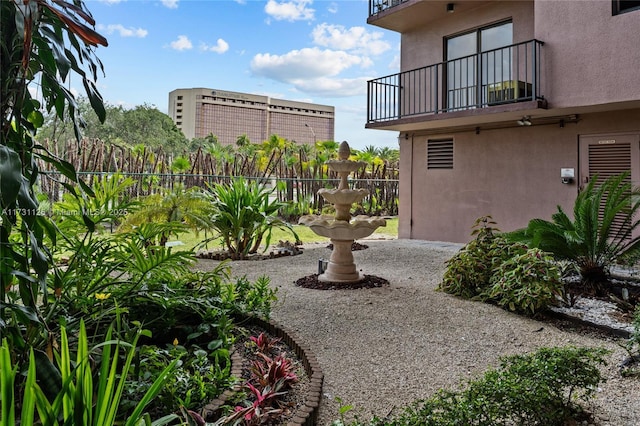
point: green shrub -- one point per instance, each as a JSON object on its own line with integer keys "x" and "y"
{"x": 543, "y": 388}
{"x": 191, "y": 317}
{"x": 179, "y": 210}
{"x": 202, "y": 375}
{"x": 526, "y": 282}
{"x": 129, "y": 279}
{"x": 469, "y": 271}
{"x": 490, "y": 268}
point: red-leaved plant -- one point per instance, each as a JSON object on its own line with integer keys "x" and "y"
{"x": 273, "y": 372}
{"x": 260, "y": 411}
{"x": 264, "y": 342}
{"x": 270, "y": 379}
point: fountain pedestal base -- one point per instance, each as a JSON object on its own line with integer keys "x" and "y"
{"x": 341, "y": 267}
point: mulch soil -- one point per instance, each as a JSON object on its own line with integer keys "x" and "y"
{"x": 369, "y": 281}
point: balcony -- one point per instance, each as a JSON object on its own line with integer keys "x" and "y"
{"x": 377, "y": 6}
{"x": 491, "y": 81}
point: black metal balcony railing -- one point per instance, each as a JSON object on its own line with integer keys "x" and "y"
{"x": 377, "y": 6}
{"x": 495, "y": 77}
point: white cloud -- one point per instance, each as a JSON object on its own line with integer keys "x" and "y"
{"x": 171, "y": 4}
{"x": 333, "y": 87}
{"x": 124, "y": 32}
{"x": 333, "y": 8}
{"x": 221, "y": 46}
{"x": 111, "y": 1}
{"x": 356, "y": 39}
{"x": 313, "y": 71}
{"x": 292, "y": 10}
{"x": 182, "y": 43}
{"x": 304, "y": 64}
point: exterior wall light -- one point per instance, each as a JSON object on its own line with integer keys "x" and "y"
{"x": 524, "y": 121}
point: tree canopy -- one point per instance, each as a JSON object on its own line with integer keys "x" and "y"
{"x": 143, "y": 124}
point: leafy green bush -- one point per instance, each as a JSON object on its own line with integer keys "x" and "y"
{"x": 469, "y": 271}
{"x": 492, "y": 269}
{"x": 526, "y": 282}
{"x": 184, "y": 209}
{"x": 191, "y": 317}
{"x": 201, "y": 375}
{"x": 543, "y": 388}
{"x": 292, "y": 211}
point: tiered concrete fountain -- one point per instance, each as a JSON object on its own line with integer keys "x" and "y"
{"x": 342, "y": 229}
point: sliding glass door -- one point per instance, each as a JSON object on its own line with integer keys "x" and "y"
{"x": 475, "y": 60}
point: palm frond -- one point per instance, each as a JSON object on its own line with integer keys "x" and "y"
{"x": 605, "y": 218}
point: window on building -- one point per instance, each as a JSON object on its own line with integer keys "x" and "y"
{"x": 440, "y": 154}
{"x": 475, "y": 60}
{"x": 624, "y": 6}
{"x": 179, "y": 97}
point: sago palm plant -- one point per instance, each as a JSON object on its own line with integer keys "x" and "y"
{"x": 602, "y": 230}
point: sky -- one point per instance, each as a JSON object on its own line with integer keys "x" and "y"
{"x": 315, "y": 51}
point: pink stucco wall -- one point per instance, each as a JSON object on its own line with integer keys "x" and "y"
{"x": 511, "y": 174}
{"x": 591, "y": 56}
{"x": 590, "y": 68}
{"x": 424, "y": 46}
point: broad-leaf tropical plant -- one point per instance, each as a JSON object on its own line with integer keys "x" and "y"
{"x": 42, "y": 41}
{"x": 602, "y": 231}
{"x": 245, "y": 213}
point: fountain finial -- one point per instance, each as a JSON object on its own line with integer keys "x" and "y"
{"x": 344, "y": 151}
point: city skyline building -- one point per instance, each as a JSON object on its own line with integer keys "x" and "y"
{"x": 200, "y": 112}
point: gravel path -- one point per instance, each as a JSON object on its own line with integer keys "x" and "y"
{"x": 383, "y": 348}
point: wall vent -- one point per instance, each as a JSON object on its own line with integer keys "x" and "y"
{"x": 440, "y": 154}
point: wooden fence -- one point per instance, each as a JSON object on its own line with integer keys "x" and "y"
{"x": 295, "y": 177}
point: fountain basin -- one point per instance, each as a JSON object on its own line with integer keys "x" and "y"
{"x": 327, "y": 226}
{"x": 343, "y": 196}
{"x": 345, "y": 166}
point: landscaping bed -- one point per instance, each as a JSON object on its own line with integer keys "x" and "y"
{"x": 300, "y": 404}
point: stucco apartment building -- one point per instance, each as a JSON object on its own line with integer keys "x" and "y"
{"x": 506, "y": 108}
{"x": 227, "y": 115}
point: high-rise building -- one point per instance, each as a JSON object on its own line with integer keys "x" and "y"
{"x": 228, "y": 115}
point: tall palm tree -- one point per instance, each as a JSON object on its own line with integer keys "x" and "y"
{"x": 371, "y": 150}
{"x": 390, "y": 156}
{"x": 242, "y": 141}
{"x": 328, "y": 149}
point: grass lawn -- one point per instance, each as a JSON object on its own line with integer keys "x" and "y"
{"x": 306, "y": 235}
